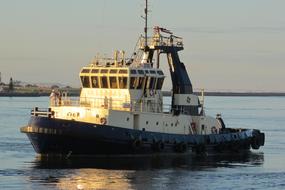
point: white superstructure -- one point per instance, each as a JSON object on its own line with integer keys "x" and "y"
{"x": 128, "y": 94}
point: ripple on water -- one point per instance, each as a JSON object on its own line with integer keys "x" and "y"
{"x": 263, "y": 169}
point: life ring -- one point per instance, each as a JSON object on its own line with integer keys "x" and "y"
{"x": 103, "y": 120}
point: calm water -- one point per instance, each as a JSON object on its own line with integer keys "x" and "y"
{"x": 262, "y": 169}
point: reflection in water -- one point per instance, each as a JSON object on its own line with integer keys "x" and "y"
{"x": 143, "y": 172}
{"x": 95, "y": 179}
{"x": 151, "y": 162}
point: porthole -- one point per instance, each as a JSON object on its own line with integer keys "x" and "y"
{"x": 157, "y": 123}
{"x": 128, "y": 118}
{"x": 146, "y": 122}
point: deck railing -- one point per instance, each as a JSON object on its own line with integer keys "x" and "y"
{"x": 44, "y": 112}
{"x": 112, "y": 104}
{"x": 161, "y": 41}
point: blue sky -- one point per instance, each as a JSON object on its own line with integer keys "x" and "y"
{"x": 229, "y": 45}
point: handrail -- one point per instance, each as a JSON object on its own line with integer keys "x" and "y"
{"x": 42, "y": 112}
{"x": 112, "y": 104}
{"x": 162, "y": 41}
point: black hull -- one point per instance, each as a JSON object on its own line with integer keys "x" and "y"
{"x": 65, "y": 137}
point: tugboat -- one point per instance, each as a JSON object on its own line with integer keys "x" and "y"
{"x": 121, "y": 109}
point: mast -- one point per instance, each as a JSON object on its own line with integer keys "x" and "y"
{"x": 145, "y": 19}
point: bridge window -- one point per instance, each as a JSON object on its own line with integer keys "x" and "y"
{"x": 123, "y": 71}
{"x": 113, "y": 82}
{"x": 104, "y": 82}
{"x": 136, "y": 82}
{"x": 160, "y": 72}
{"x": 113, "y": 71}
{"x": 104, "y": 71}
{"x": 151, "y": 82}
{"x": 94, "y": 71}
{"x": 123, "y": 82}
{"x": 94, "y": 82}
{"x": 159, "y": 83}
{"x": 140, "y": 82}
{"x": 85, "y": 71}
{"x": 141, "y": 72}
{"x": 133, "y": 83}
{"x": 85, "y": 81}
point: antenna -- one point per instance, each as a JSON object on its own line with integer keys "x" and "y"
{"x": 145, "y": 19}
{"x": 145, "y": 29}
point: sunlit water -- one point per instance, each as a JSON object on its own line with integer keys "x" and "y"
{"x": 262, "y": 169}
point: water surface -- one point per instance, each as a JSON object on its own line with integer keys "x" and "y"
{"x": 261, "y": 169}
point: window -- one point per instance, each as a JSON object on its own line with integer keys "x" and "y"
{"x": 85, "y": 71}
{"x": 133, "y": 72}
{"x": 94, "y": 82}
{"x": 85, "y": 81}
{"x": 113, "y": 82}
{"x": 136, "y": 82}
{"x": 193, "y": 110}
{"x": 104, "y": 71}
{"x": 160, "y": 72}
{"x": 95, "y": 71}
{"x": 113, "y": 71}
{"x": 152, "y": 72}
{"x": 123, "y": 82}
{"x": 140, "y": 82}
{"x": 159, "y": 83}
{"x": 104, "y": 82}
{"x": 133, "y": 83}
{"x": 141, "y": 72}
{"x": 151, "y": 82}
{"x": 124, "y": 71}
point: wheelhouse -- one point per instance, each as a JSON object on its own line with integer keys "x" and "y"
{"x": 122, "y": 78}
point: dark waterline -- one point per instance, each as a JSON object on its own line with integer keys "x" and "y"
{"x": 20, "y": 168}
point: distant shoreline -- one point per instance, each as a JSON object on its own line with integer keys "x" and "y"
{"x": 262, "y": 94}
{"x": 165, "y": 93}
{"x": 32, "y": 94}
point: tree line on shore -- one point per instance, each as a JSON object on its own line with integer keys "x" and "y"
{"x": 17, "y": 88}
